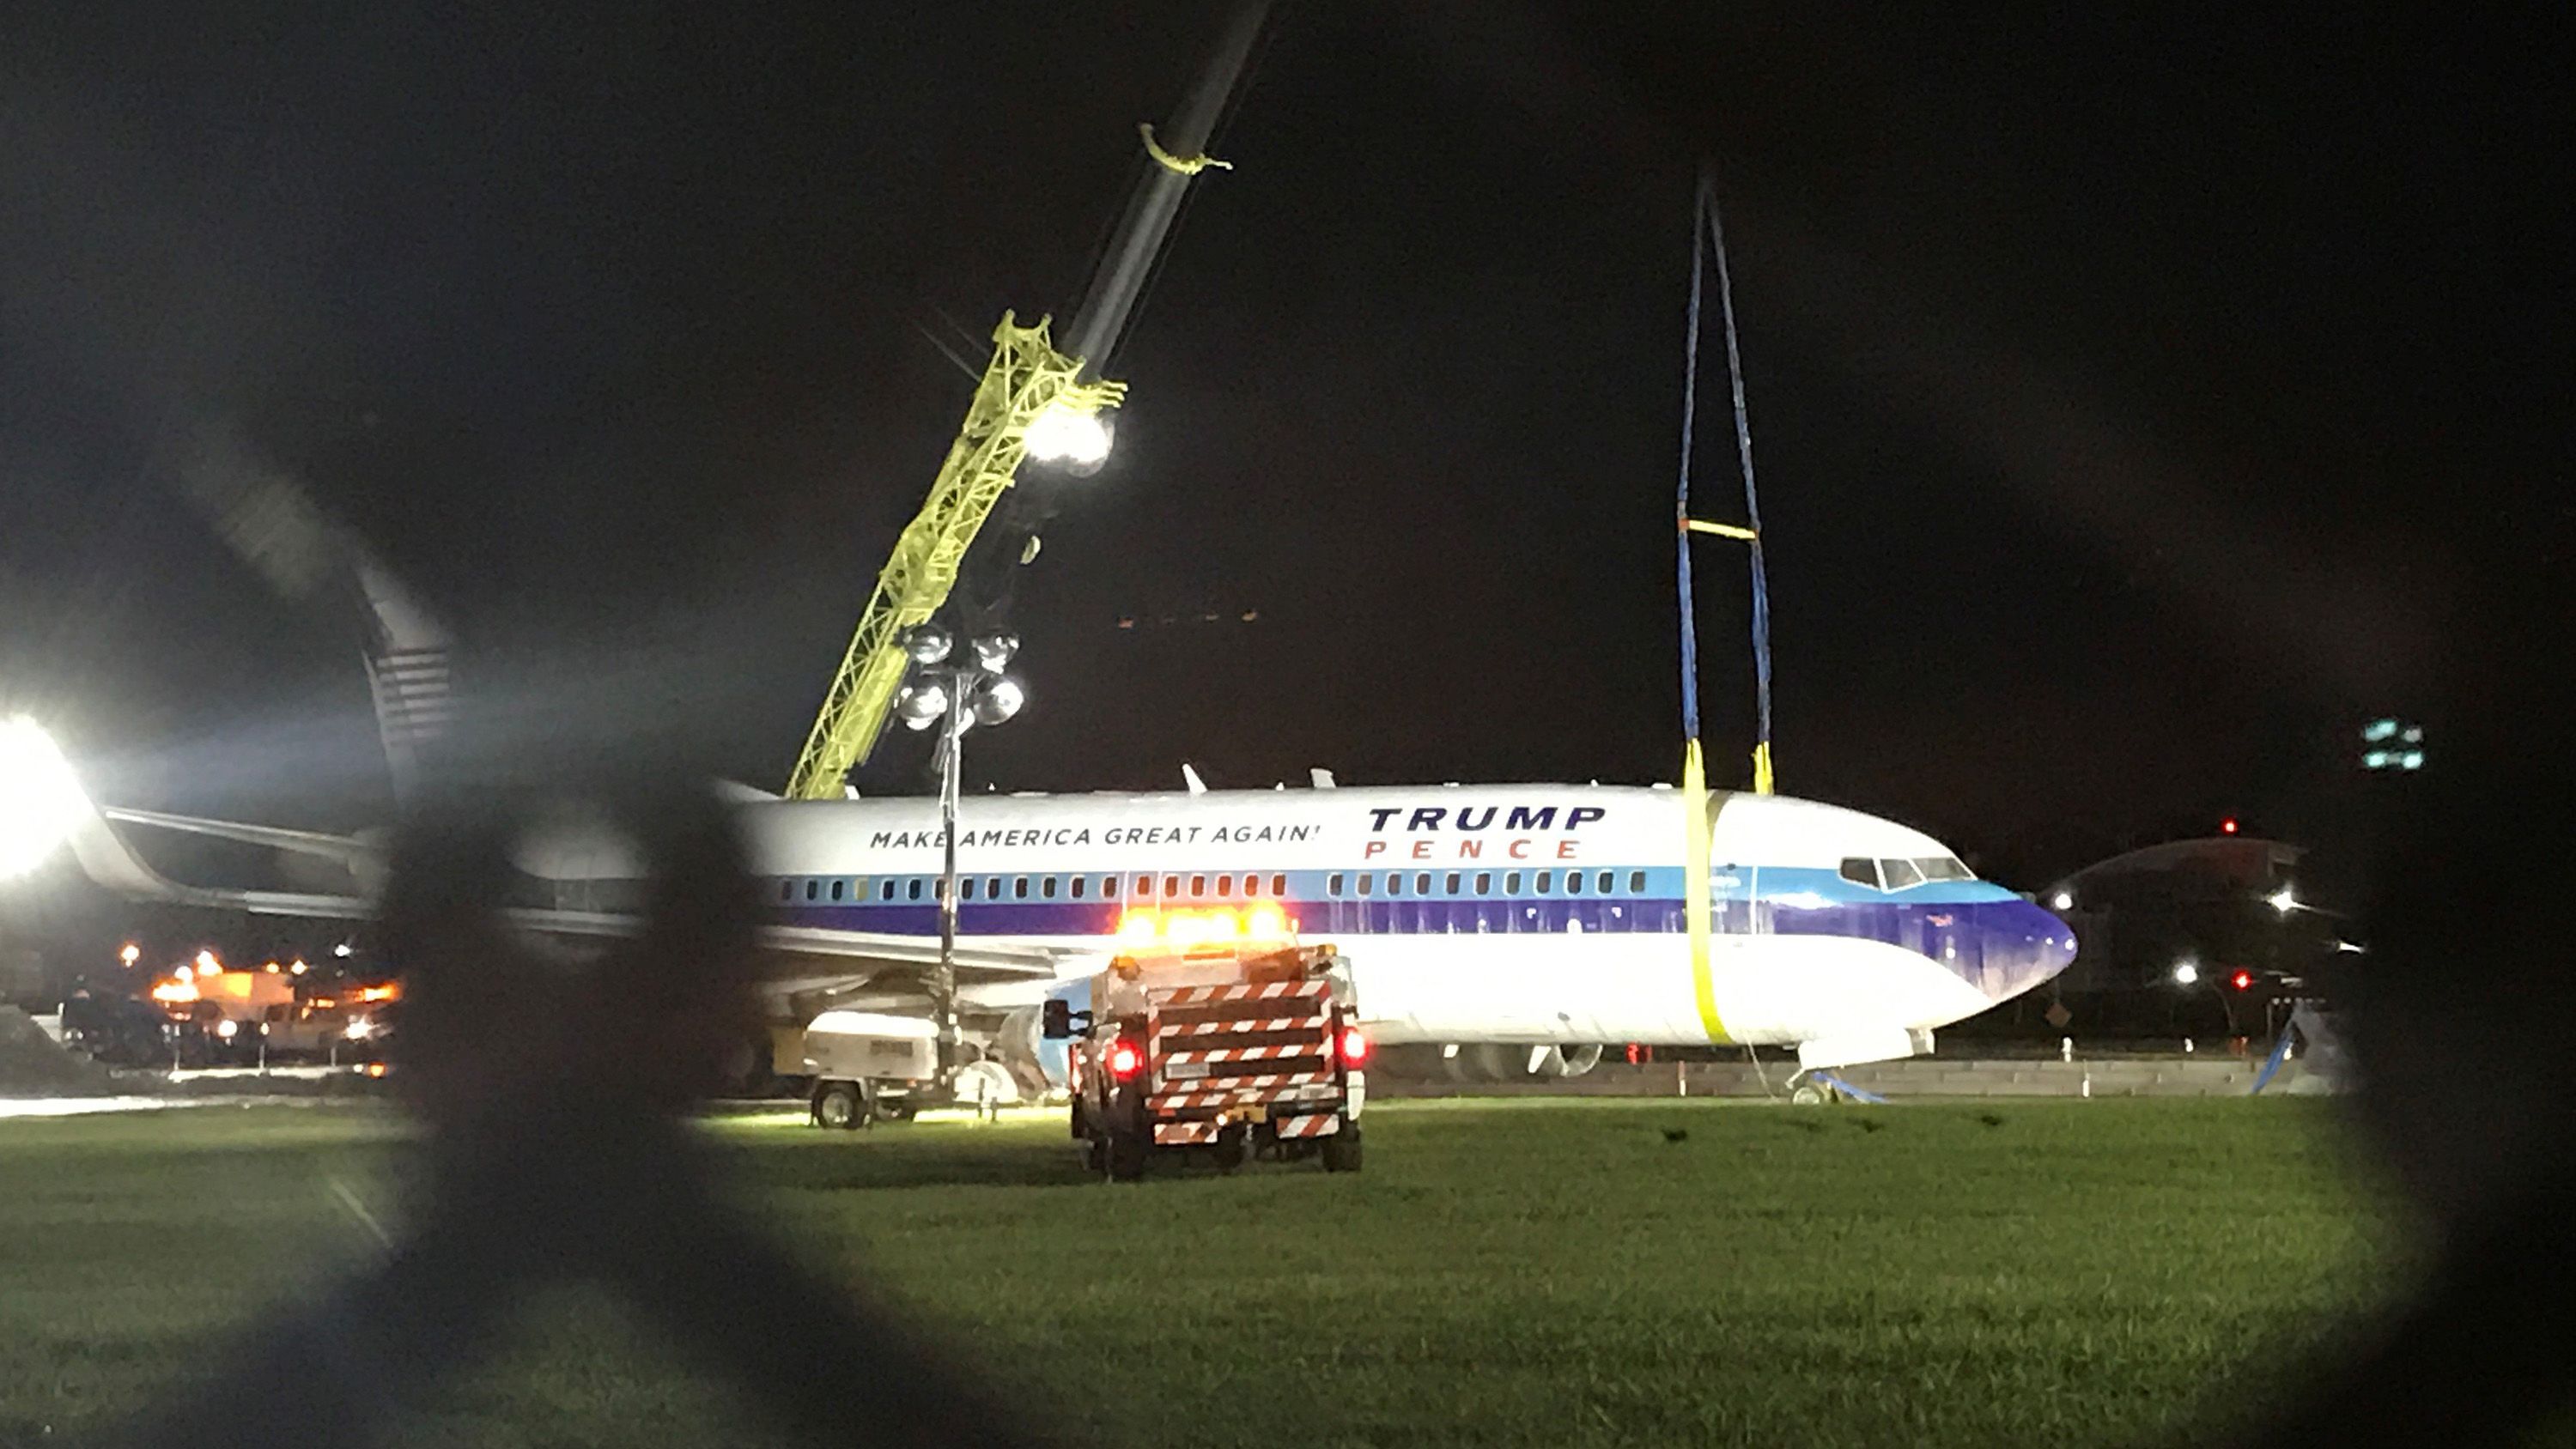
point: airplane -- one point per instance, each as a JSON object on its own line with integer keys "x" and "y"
{"x": 1546, "y": 917}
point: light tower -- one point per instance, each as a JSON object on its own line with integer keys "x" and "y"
{"x": 956, "y": 695}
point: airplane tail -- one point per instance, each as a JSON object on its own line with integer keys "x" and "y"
{"x": 407, "y": 657}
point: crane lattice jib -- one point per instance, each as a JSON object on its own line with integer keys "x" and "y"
{"x": 1026, "y": 378}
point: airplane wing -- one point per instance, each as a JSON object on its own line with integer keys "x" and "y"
{"x": 821, "y": 954}
{"x": 346, "y": 849}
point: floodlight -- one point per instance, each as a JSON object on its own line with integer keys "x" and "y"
{"x": 2185, "y": 973}
{"x": 998, "y": 700}
{"x": 2284, "y": 900}
{"x": 927, "y": 643}
{"x": 2063, "y": 900}
{"x": 994, "y": 651}
{"x": 40, "y": 802}
{"x": 921, "y": 705}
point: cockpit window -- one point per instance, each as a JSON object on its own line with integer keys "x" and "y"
{"x": 1898, "y": 874}
{"x": 1861, "y": 872}
{"x": 1944, "y": 867}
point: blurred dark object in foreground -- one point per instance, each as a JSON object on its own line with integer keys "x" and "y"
{"x": 2463, "y": 1021}
{"x": 555, "y": 1153}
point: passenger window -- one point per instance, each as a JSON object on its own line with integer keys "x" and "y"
{"x": 1484, "y": 882}
{"x": 1860, "y": 872}
{"x": 913, "y": 891}
{"x": 1279, "y": 887}
{"x": 992, "y": 887}
{"x": 1019, "y": 887}
{"x": 1171, "y": 886}
{"x": 1452, "y": 883}
{"x": 966, "y": 888}
{"x": 1636, "y": 882}
{"x": 1394, "y": 884}
{"x": 786, "y": 890}
{"x": 1046, "y": 887}
{"x": 1225, "y": 885}
{"x": 1198, "y": 885}
{"x": 1077, "y": 887}
{"x": 1546, "y": 878}
{"x": 1333, "y": 884}
{"x": 1144, "y": 885}
{"x": 1899, "y": 874}
{"x": 1512, "y": 883}
{"x": 1422, "y": 884}
{"x": 1365, "y": 880}
{"x": 813, "y": 888}
{"x": 885, "y": 889}
{"x": 1574, "y": 882}
{"x": 836, "y": 890}
{"x": 1602, "y": 886}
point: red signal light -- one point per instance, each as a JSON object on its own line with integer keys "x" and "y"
{"x": 2242, "y": 980}
{"x": 1125, "y": 1061}
{"x": 1354, "y": 1046}
{"x": 2227, "y": 826}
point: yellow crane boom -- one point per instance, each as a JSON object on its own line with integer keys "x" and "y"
{"x": 1026, "y": 379}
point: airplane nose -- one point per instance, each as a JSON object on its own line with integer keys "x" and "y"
{"x": 2024, "y": 946}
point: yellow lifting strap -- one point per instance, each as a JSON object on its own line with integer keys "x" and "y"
{"x": 1695, "y": 902}
{"x": 1762, "y": 768}
{"x": 1722, "y": 530}
{"x": 1179, "y": 165}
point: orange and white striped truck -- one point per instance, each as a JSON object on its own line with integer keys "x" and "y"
{"x": 1220, "y": 1051}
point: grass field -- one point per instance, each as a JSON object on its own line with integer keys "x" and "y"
{"x": 1529, "y": 1273}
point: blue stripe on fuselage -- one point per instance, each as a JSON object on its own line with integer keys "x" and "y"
{"x": 1985, "y": 934}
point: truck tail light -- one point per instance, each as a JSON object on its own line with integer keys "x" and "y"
{"x": 1125, "y": 1060}
{"x": 1354, "y": 1046}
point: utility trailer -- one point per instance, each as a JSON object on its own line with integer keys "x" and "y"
{"x": 1219, "y": 1051}
{"x": 866, "y": 1067}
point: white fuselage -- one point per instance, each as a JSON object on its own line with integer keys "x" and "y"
{"x": 1538, "y": 914}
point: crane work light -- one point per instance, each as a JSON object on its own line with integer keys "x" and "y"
{"x": 1076, "y": 437}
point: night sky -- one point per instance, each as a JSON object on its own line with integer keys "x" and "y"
{"x": 2139, "y": 401}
